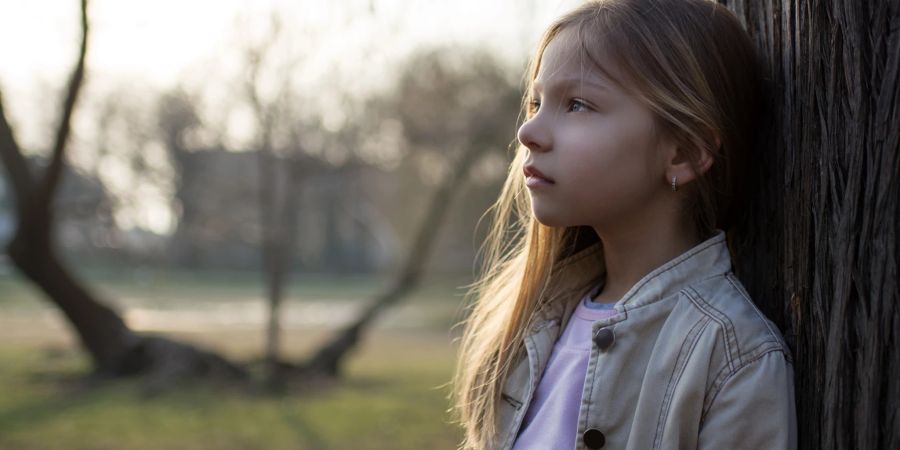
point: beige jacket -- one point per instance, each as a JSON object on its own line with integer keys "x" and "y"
{"x": 689, "y": 362}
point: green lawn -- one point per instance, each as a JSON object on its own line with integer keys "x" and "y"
{"x": 393, "y": 394}
{"x": 167, "y": 288}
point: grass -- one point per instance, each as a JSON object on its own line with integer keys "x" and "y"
{"x": 392, "y": 396}
{"x": 172, "y": 288}
{"x": 393, "y": 393}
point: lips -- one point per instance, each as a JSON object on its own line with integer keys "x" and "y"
{"x": 531, "y": 172}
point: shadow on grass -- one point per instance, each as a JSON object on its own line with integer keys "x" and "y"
{"x": 63, "y": 388}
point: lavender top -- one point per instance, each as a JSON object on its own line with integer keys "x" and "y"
{"x": 552, "y": 418}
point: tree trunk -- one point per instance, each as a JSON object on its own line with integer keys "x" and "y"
{"x": 276, "y": 215}
{"x": 822, "y": 261}
{"x": 113, "y": 347}
{"x": 274, "y": 253}
{"x": 278, "y": 205}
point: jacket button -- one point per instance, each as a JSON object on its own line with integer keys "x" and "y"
{"x": 594, "y": 438}
{"x": 604, "y": 338}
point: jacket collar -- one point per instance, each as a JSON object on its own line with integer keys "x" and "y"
{"x": 580, "y": 273}
{"x": 705, "y": 260}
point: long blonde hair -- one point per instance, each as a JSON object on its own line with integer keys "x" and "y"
{"x": 694, "y": 66}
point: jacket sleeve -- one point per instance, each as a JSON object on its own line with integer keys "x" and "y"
{"x": 754, "y": 408}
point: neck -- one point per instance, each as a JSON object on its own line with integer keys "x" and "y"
{"x": 633, "y": 252}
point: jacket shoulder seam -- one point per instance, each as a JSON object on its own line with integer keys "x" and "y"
{"x": 747, "y": 298}
{"x": 729, "y": 337}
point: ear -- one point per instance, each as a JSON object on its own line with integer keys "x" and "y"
{"x": 681, "y": 165}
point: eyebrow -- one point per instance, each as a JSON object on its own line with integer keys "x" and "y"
{"x": 573, "y": 81}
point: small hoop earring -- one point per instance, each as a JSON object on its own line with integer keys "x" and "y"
{"x": 675, "y": 183}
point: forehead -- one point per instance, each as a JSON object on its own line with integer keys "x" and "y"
{"x": 567, "y": 57}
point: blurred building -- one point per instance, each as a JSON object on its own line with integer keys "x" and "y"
{"x": 220, "y": 225}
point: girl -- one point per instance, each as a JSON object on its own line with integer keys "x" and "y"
{"x": 608, "y": 315}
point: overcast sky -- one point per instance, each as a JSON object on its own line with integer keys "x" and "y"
{"x": 156, "y": 41}
{"x": 154, "y": 45}
{"x": 143, "y": 47}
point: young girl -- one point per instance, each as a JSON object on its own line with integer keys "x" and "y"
{"x": 609, "y": 316}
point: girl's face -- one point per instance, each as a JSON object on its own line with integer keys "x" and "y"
{"x": 594, "y": 158}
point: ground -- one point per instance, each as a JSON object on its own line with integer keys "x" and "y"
{"x": 393, "y": 394}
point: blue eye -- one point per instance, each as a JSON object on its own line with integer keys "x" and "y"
{"x": 576, "y": 105}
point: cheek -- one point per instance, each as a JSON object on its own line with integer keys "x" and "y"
{"x": 617, "y": 167}
{"x": 617, "y": 151}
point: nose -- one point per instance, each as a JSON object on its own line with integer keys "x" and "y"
{"x": 534, "y": 134}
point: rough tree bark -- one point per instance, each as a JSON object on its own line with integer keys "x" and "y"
{"x": 113, "y": 347}
{"x": 822, "y": 258}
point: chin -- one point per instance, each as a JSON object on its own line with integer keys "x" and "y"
{"x": 549, "y": 220}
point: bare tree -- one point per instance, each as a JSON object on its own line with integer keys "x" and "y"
{"x": 281, "y": 170}
{"x": 114, "y": 348}
{"x": 462, "y": 107}
{"x": 821, "y": 254}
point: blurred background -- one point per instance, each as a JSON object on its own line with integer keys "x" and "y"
{"x": 265, "y": 216}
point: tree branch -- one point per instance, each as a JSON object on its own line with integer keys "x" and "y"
{"x": 328, "y": 357}
{"x": 54, "y": 170}
{"x": 16, "y": 166}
